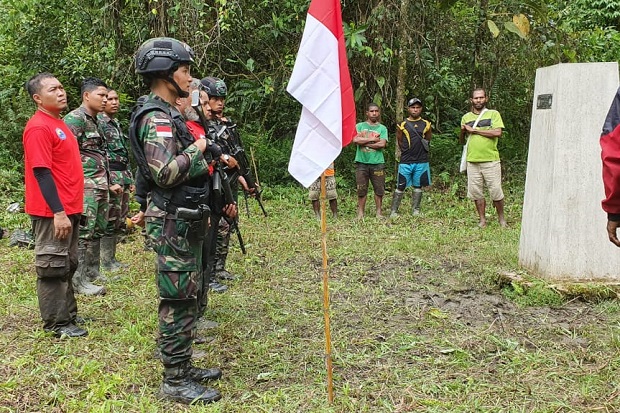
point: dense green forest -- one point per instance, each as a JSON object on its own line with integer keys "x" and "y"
{"x": 434, "y": 49}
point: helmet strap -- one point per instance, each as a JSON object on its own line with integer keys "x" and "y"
{"x": 182, "y": 93}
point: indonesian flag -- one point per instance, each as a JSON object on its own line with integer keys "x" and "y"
{"x": 321, "y": 83}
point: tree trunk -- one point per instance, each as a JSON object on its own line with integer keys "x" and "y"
{"x": 403, "y": 41}
{"x": 158, "y": 21}
{"x": 477, "y": 75}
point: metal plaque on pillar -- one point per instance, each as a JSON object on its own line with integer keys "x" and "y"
{"x": 563, "y": 226}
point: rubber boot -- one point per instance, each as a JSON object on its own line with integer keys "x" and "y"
{"x": 81, "y": 283}
{"x": 396, "y": 198}
{"x": 108, "y": 254}
{"x": 220, "y": 273}
{"x": 417, "y": 199}
{"x": 93, "y": 259}
{"x": 178, "y": 386}
{"x": 108, "y": 246}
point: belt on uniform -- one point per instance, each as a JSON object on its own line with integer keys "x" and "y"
{"x": 117, "y": 166}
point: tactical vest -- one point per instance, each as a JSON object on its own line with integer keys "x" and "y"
{"x": 192, "y": 193}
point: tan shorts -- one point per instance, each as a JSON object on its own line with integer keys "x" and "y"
{"x": 330, "y": 189}
{"x": 480, "y": 173}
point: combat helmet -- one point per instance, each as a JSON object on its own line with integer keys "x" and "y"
{"x": 160, "y": 57}
{"x": 215, "y": 87}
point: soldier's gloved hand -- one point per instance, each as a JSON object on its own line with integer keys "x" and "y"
{"x": 214, "y": 149}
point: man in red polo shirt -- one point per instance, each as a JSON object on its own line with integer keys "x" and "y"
{"x": 54, "y": 195}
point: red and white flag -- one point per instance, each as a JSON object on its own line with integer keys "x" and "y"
{"x": 321, "y": 83}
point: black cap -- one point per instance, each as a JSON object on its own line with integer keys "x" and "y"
{"x": 413, "y": 101}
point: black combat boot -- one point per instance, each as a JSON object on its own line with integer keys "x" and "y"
{"x": 198, "y": 374}
{"x": 179, "y": 386}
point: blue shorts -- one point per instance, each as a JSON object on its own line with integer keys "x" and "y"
{"x": 413, "y": 174}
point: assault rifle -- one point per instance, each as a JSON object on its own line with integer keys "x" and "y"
{"x": 221, "y": 182}
{"x": 226, "y": 135}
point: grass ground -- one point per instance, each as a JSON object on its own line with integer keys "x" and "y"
{"x": 419, "y": 323}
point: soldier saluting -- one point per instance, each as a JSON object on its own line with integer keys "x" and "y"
{"x": 175, "y": 167}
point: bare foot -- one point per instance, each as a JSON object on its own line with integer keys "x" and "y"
{"x": 503, "y": 224}
{"x": 482, "y": 224}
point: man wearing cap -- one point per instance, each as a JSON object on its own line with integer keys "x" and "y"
{"x": 371, "y": 139}
{"x": 413, "y": 136}
{"x": 175, "y": 166}
{"x": 483, "y": 127}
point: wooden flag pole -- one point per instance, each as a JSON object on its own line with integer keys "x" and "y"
{"x": 254, "y": 164}
{"x": 328, "y": 338}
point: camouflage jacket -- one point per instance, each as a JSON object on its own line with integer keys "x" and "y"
{"x": 117, "y": 149}
{"x": 170, "y": 163}
{"x": 91, "y": 140}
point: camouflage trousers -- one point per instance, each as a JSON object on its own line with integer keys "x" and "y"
{"x": 222, "y": 245}
{"x": 96, "y": 205}
{"x": 119, "y": 209}
{"x": 178, "y": 244}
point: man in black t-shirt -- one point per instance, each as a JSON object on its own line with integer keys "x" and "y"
{"x": 413, "y": 136}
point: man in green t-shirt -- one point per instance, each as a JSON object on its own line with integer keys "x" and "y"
{"x": 371, "y": 138}
{"x": 483, "y": 128}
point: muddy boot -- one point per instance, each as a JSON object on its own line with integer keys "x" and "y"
{"x": 108, "y": 254}
{"x": 178, "y": 386}
{"x": 93, "y": 258}
{"x": 417, "y": 199}
{"x": 396, "y": 198}
{"x": 81, "y": 283}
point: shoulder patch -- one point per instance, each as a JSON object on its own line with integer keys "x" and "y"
{"x": 61, "y": 135}
{"x": 161, "y": 121}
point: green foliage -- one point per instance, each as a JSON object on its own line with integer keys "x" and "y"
{"x": 536, "y": 294}
{"x": 593, "y": 14}
{"x": 448, "y": 47}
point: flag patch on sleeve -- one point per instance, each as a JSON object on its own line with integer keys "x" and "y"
{"x": 163, "y": 131}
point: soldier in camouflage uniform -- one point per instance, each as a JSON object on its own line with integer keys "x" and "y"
{"x": 176, "y": 168}
{"x": 217, "y": 91}
{"x": 84, "y": 125}
{"x": 117, "y": 144}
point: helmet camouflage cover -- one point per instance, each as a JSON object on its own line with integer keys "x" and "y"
{"x": 214, "y": 87}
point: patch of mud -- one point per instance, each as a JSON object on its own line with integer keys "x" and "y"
{"x": 408, "y": 291}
